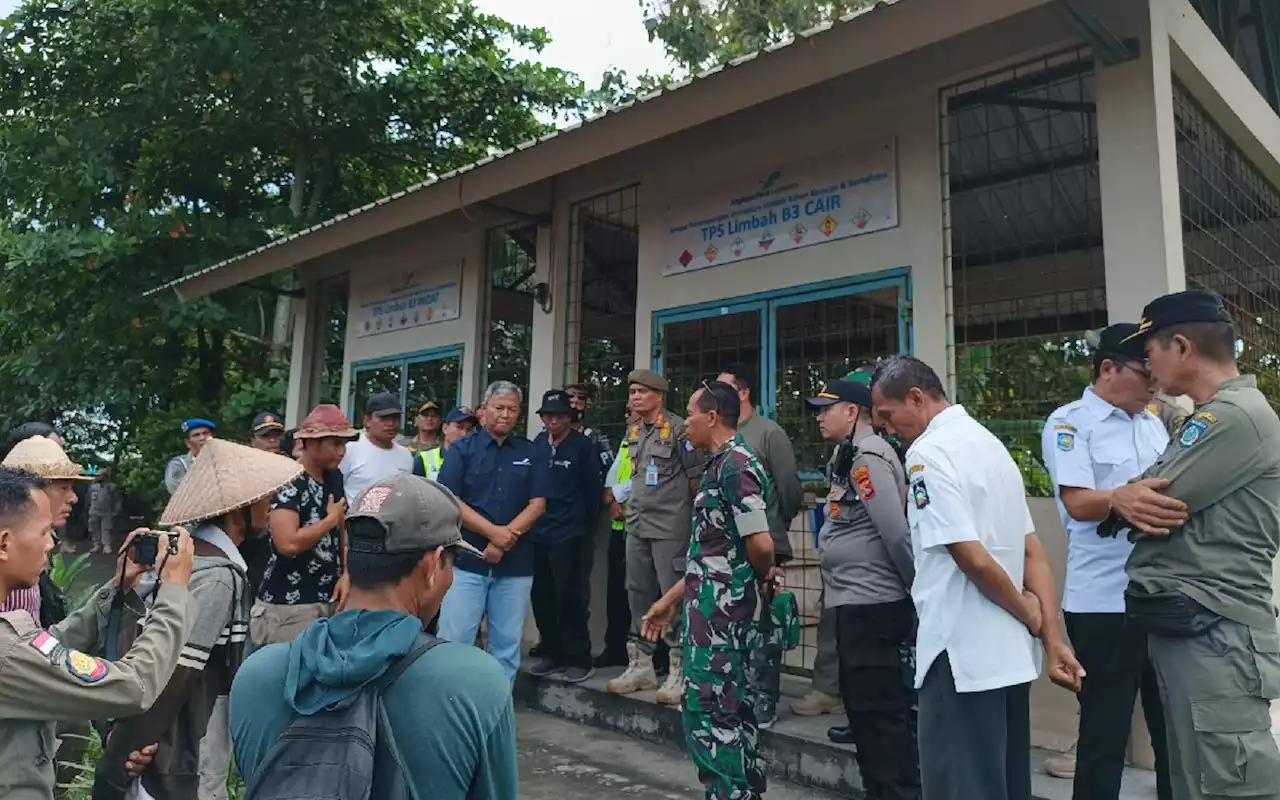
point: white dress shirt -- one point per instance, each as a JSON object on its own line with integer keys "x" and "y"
{"x": 1091, "y": 444}
{"x": 965, "y": 487}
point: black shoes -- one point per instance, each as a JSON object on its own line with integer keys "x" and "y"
{"x": 841, "y": 735}
{"x": 612, "y": 658}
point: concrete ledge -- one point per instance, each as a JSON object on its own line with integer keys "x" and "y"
{"x": 796, "y": 748}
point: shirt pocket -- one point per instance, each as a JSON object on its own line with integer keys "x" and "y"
{"x": 662, "y": 459}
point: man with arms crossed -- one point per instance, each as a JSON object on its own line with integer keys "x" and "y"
{"x": 983, "y": 590}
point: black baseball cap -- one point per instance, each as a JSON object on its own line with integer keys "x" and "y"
{"x": 266, "y": 421}
{"x": 416, "y": 514}
{"x": 854, "y": 387}
{"x": 1120, "y": 342}
{"x": 1178, "y": 308}
{"x": 383, "y": 404}
{"x": 556, "y": 401}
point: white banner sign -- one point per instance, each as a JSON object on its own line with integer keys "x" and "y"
{"x": 818, "y": 200}
{"x": 407, "y": 304}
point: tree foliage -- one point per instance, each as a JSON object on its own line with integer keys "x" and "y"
{"x": 143, "y": 139}
{"x": 702, "y": 33}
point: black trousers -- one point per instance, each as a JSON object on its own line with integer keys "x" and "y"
{"x": 617, "y": 603}
{"x": 1114, "y": 656}
{"x": 975, "y": 745}
{"x": 562, "y": 597}
{"x": 880, "y": 704}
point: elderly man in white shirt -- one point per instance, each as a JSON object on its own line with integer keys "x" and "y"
{"x": 1093, "y": 445}
{"x": 983, "y": 591}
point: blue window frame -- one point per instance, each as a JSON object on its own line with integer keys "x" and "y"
{"x": 416, "y": 377}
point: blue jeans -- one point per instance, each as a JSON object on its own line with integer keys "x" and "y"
{"x": 502, "y": 601}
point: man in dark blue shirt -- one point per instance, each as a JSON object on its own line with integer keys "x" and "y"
{"x": 502, "y": 485}
{"x": 563, "y": 542}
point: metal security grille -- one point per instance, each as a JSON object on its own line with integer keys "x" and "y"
{"x": 1023, "y": 223}
{"x": 699, "y": 349}
{"x": 437, "y": 380}
{"x": 510, "y": 258}
{"x": 600, "y": 343}
{"x": 1231, "y": 236}
{"x": 431, "y": 375}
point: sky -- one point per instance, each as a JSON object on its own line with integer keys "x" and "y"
{"x": 588, "y": 36}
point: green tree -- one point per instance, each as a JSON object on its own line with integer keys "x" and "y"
{"x": 144, "y": 139}
{"x": 702, "y": 33}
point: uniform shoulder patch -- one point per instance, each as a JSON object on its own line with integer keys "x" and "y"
{"x": 45, "y": 643}
{"x": 1066, "y": 440}
{"x": 920, "y": 494}
{"x": 862, "y": 477}
{"x": 634, "y": 435}
{"x": 688, "y": 445}
{"x": 1192, "y": 430}
{"x": 85, "y": 667}
{"x": 1062, "y": 426}
{"x": 1154, "y": 409}
{"x": 915, "y": 469}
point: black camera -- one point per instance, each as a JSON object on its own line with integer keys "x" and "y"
{"x": 145, "y": 546}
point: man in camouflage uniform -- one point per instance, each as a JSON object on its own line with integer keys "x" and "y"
{"x": 729, "y": 564}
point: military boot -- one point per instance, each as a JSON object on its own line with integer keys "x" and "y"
{"x": 816, "y": 703}
{"x": 672, "y": 691}
{"x": 639, "y": 675}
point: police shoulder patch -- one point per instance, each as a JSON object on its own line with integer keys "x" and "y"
{"x": 920, "y": 494}
{"x": 688, "y": 445}
{"x": 1192, "y": 430}
{"x": 1066, "y": 441}
{"x": 862, "y": 477}
{"x": 85, "y": 667}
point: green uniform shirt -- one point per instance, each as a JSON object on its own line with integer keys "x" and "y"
{"x": 1224, "y": 463}
{"x": 664, "y": 510}
{"x": 47, "y": 676}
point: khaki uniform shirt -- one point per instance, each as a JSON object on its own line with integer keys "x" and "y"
{"x": 1172, "y": 411}
{"x": 1224, "y": 464}
{"x": 48, "y": 676}
{"x": 664, "y": 511}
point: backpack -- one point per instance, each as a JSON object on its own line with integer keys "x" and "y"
{"x": 345, "y": 752}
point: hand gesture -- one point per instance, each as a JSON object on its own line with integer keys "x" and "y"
{"x": 176, "y": 567}
{"x": 658, "y": 620}
{"x": 132, "y": 571}
{"x": 1062, "y": 666}
{"x": 1150, "y": 512}
{"x": 493, "y": 554}
{"x": 340, "y": 592}
{"x": 336, "y": 512}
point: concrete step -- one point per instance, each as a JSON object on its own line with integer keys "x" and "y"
{"x": 796, "y": 748}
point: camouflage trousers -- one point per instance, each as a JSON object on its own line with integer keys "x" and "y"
{"x": 720, "y": 723}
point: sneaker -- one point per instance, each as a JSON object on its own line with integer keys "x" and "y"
{"x": 573, "y": 674}
{"x": 840, "y": 735}
{"x": 766, "y": 724}
{"x": 612, "y": 658}
{"x": 672, "y": 691}
{"x": 1063, "y": 766}
{"x": 67, "y": 548}
{"x": 815, "y": 704}
{"x": 543, "y": 668}
{"x": 638, "y": 676}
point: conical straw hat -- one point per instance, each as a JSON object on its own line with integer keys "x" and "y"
{"x": 224, "y": 477}
{"x": 44, "y": 458}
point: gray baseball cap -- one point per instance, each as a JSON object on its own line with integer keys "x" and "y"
{"x": 416, "y": 514}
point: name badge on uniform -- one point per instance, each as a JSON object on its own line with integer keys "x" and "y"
{"x": 651, "y": 475}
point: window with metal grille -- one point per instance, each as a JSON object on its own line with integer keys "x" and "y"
{"x": 1023, "y": 222}
{"x": 415, "y": 378}
{"x": 511, "y": 261}
{"x": 600, "y": 342}
{"x": 1250, "y": 32}
{"x": 1231, "y": 235}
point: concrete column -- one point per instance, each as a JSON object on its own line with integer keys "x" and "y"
{"x": 307, "y": 360}
{"x": 546, "y": 359}
{"x": 1141, "y": 218}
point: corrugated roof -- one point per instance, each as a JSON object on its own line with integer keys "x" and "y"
{"x": 568, "y": 129}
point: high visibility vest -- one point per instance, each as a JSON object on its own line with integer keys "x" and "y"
{"x": 624, "y": 475}
{"x": 432, "y": 461}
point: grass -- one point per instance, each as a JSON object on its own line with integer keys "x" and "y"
{"x": 81, "y": 786}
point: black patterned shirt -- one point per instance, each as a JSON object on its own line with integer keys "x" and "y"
{"x": 311, "y": 576}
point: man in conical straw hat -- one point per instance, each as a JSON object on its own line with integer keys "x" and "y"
{"x": 215, "y": 501}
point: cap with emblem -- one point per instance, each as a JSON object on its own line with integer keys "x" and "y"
{"x": 648, "y": 379}
{"x": 267, "y": 422}
{"x": 428, "y": 407}
{"x": 224, "y": 477}
{"x": 44, "y": 458}
{"x": 1119, "y": 343}
{"x": 190, "y": 426}
{"x": 556, "y": 401}
{"x": 854, "y": 387}
{"x": 416, "y": 515}
{"x": 1179, "y": 308}
{"x": 461, "y": 414}
{"x": 382, "y": 404}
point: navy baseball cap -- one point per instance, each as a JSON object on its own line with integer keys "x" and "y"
{"x": 383, "y": 404}
{"x": 1178, "y": 308}
{"x": 461, "y": 414}
{"x": 266, "y": 421}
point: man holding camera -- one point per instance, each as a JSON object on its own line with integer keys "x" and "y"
{"x": 55, "y": 675}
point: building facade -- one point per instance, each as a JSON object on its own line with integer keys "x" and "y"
{"x": 975, "y": 183}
